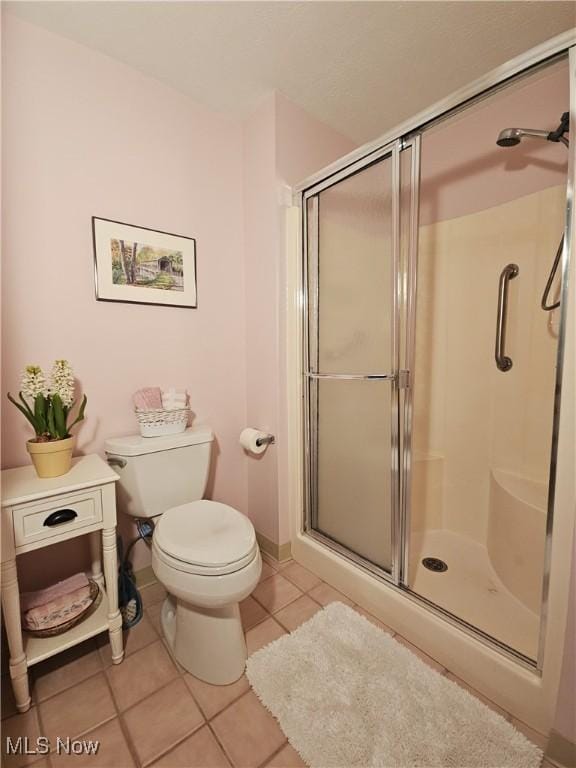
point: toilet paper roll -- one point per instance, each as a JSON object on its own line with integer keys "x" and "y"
{"x": 248, "y": 438}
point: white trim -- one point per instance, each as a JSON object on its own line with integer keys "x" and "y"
{"x": 295, "y": 303}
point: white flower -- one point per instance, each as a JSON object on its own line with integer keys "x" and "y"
{"x": 34, "y": 382}
{"x": 62, "y": 382}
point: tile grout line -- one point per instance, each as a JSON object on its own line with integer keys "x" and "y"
{"x": 274, "y": 754}
{"x": 178, "y": 743}
{"x": 209, "y": 721}
{"x": 278, "y": 609}
{"x": 226, "y": 753}
{"x": 303, "y": 593}
{"x": 217, "y": 739}
{"x": 212, "y": 729}
{"x": 37, "y": 757}
{"x": 123, "y": 727}
{"x": 230, "y": 703}
{"x": 87, "y": 730}
{"x": 103, "y": 669}
{"x": 69, "y": 687}
{"x": 41, "y": 730}
{"x": 173, "y": 746}
{"x": 148, "y": 695}
{"x": 206, "y": 721}
{"x": 92, "y": 727}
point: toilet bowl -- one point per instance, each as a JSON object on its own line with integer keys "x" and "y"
{"x": 206, "y": 556}
{"x": 203, "y": 552}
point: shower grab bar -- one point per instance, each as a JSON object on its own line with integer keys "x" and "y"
{"x": 503, "y": 362}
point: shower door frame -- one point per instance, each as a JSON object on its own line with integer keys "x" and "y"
{"x": 407, "y": 134}
{"x": 391, "y": 150}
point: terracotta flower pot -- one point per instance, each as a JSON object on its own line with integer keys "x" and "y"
{"x": 52, "y": 458}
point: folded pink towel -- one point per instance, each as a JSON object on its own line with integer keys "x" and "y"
{"x": 147, "y": 399}
{"x": 57, "y": 611}
{"x": 30, "y": 600}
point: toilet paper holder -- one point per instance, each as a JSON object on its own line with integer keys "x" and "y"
{"x": 266, "y": 440}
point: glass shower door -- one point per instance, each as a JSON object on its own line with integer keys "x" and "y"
{"x": 352, "y": 362}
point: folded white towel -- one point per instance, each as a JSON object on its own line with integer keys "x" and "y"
{"x": 172, "y": 399}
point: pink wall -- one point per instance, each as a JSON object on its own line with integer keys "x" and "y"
{"x": 282, "y": 144}
{"x": 261, "y": 278}
{"x": 85, "y": 135}
{"x": 304, "y": 145}
{"x": 463, "y": 170}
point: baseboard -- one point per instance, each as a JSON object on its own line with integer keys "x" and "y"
{"x": 279, "y": 552}
{"x": 561, "y": 751}
{"x": 145, "y": 576}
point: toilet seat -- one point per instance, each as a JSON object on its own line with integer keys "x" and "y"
{"x": 205, "y": 538}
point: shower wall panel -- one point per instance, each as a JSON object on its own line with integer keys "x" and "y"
{"x": 468, "y": 416}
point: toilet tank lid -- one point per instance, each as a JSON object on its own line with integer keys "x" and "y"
{"x": 136, "y": 445}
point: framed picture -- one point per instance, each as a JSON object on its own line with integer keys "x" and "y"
{"x": 142, "y": 265}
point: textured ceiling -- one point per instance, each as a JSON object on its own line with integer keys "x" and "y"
{"x": 361, "y": 67}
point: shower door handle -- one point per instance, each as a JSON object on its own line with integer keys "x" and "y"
{"x": 503, "y": 362}
{"x": 353, "y": 376}
{"x": 401, "y": 379}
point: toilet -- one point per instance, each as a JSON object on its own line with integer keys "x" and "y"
{"x": 204, "y": 553}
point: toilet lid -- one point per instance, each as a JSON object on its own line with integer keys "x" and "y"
{"x": 205, "y": 533}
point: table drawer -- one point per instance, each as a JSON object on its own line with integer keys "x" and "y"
{"x": 56, "y": 517}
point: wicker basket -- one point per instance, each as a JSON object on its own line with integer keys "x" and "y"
{"x": 160, "y": 422}
{"x": 96, "y": 597}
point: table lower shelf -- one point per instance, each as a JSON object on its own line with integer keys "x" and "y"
{"x": 39, "y": 648}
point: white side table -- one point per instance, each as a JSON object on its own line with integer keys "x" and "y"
{"x": 37, "y": 513}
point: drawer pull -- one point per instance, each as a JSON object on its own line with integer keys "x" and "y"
{"x": 60, "y": 516}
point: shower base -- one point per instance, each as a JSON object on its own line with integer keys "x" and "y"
{"x": 470, "y": 589}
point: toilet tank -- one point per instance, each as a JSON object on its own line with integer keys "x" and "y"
{"x": 157, "y": 473}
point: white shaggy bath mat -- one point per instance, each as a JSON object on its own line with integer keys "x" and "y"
{"x": 347, "y": 694}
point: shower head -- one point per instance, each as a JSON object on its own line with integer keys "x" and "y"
{"x": 510, "y": 137}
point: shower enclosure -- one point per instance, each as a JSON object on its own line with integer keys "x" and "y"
{"x": 430, "y": 366}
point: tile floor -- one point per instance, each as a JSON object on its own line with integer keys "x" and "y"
{"x": 148, "y": 711}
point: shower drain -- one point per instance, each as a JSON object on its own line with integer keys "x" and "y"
{"x": 434, "y": 564}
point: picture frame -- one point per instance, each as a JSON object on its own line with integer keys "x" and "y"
{"x": 140, "y": 265}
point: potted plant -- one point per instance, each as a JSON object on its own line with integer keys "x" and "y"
{"x": 47, "y": 406}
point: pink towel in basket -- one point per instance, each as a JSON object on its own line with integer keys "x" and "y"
{"x": 57, "y": 611}
{"x": 147, "y": 399}
{"x": 30, "y": 600}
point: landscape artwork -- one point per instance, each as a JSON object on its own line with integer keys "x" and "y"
{"x": 143, "y": 265}
{"x": 139, "y": 264}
